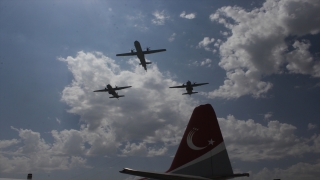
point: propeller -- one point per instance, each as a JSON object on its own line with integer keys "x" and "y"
{"x": 132, "y": 50}
{"x": 148, "y": 48}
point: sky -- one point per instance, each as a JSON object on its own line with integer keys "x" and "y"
{"x": 260, "y": 58}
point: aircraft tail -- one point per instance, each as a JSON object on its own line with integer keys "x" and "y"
{"x": 189, "y": 93}
{"x": 29, "y": 177}
{"x": 202, "y": 151}
{"x": 202, "y": 154}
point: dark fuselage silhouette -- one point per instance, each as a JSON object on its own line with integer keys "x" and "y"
{"x": 189, "y": 87}
{"x": 112, "y": 91}
{"x": 140, "y": 54}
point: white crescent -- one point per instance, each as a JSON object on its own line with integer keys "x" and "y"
{"x": 190, "y": 143}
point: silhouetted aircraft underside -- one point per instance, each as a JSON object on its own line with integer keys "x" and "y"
{"x": 140, "y": 53}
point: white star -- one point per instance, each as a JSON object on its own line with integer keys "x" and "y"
{"x": 211, "y": 142}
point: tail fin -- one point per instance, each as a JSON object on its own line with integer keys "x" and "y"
{"x": 202, "y": 151}
{"x": 29, "y": 176}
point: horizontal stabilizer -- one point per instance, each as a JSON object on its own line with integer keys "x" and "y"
{"x": 162, "y": 176}
{"x": 117, "y": 96}
{"x": 190, "y": 93}
{"x": 146, "y": 63}
{"x": 170, "y": 176}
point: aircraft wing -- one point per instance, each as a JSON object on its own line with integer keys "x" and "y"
{"x": 127, "y": 54}
{"x": 170, "y": 176}
{"x": 200, "y": 84}
{"x": 119, "y": 88}
{"x": 101, "y": 90}
{"x": 153, "y": 51}
{"x": 183, "y": 86}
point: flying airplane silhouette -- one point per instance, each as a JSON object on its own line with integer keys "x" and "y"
{"x": 189, "y": 87}
{"x": 112, "y": 91}
{"x": 202, "y": 154}
{"x": 140, "y": 53}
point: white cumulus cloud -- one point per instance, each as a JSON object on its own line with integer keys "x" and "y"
{"x": 257, "y": 48}
{"x": 188, "y": 16}
{"x": 206, "y": 62}
{"x": 160, "y": 17}
{"x": 205, "y": 43}
{"x": 295, "y": 172}
{"x": 149, "y": 103}
{"x": 250, "y": 141}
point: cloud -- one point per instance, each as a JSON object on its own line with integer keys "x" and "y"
{"x": 149, "y": 103}
{"x": 160, "y": 17}
{"x": 188, "y": 16}
{"x": 250, "y": 141}
{"x": 34, "y": 154}
{"x": 8, "y": 143}
{"x": 206, "y": 62}
{"x": 225, "y": 33}
{"x": 141, "y": 149}
{"x": 257, "y": 45}
{"x": 312, "y": 126}
{"x": 268, "y": 115}
{"x": 58, "y": 120}
{"x": 68, "y": 142}
{"x": 172, "y": 37}
{"x": 295, "y": 172}
{"x": 109, "y": 127}
{"x": 205, "y": 43}
{"x": 137, "y": 21}
{"x": 300, "y": 60}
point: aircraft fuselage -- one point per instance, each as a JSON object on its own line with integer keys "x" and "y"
{"x": 111, "y": 90}
{"x": 140, "y": 54}
{"x": 189, "y": 88}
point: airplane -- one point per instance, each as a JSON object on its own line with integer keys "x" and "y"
{"x": 140, "y": 53}
{"x": 201, "y": 155}
{"x": 189, "y": 87}
{"x": 112, "y": 91}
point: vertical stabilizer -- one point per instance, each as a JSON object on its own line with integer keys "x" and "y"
{"x": 29, "y": 176}
{"x": 202, "y": 151}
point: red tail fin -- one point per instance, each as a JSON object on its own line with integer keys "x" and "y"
{"x": 202, "y": 151}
